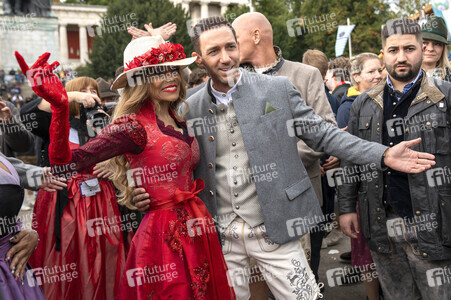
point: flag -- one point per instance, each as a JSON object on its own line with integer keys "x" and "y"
{"x": 343, "y": 33}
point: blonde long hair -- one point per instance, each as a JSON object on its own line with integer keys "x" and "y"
{"x": 131, "y": 102}
{"x": 443, "y": 62}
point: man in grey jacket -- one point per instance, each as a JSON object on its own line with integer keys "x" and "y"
{"x": 405, "y": 218}
{"x": 256, "y": 186}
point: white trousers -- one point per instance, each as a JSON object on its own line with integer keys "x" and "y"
{"x": 284, "y": 267}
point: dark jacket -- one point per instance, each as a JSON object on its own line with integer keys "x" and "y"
{"x": 345, "y": 107}
{"x": 31, "y": 113}
{"x": 14, "y": 136}
{"x": 428, "y": 117}
{"x": 333, "y": 101}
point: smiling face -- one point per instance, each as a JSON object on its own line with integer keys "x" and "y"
{"x": 403, "y": 57}
{"x": 166, "y": 84}
{"x": 220, "y": 56}
{"x": 370, "y": 75}
{"x": 432, "y": 52}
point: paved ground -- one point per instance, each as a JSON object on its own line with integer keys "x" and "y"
{"x": 332, "y": 261}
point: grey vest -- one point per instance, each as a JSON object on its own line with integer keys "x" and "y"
{"x": 236, "y": 191}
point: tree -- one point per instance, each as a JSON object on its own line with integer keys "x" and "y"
{"x": 108, "y": 47}
{"x": 299, "y": 25}
{"x": 407, "y": 8}
{"x": 278, "y": 13}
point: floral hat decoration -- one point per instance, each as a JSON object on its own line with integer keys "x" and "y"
{"x": 147, "y": 52}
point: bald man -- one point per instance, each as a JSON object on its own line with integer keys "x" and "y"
{"x": 258, "y": 54}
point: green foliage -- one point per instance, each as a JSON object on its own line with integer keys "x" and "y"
{"x": 367, "y": 15}
{"x": 279, "y": 12}
{"x": 407, "y": 8}
{"x": 321, "y": 20}
{"x": 108, "y": 48}
{"x": 233, "y": 12}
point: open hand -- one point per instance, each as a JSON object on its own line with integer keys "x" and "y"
{"x": 43, "y": 81}
{"x": 51, "y": 183}
{"x": 102, "y": 170}
{"x": 166, "y": 31}
{"x": 403, "y": 159}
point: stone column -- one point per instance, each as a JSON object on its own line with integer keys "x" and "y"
{"x": 224, "y": 6}
{"x": 185, "y": 6}
{"x": 64, "y": 51}
{"x": 83, "y": 44}
{"x": 204, "y": 9}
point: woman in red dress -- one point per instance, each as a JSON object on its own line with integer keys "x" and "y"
{"x": 88, "y": 262}
{"x": 175, "y": 253}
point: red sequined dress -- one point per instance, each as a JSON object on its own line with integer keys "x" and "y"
{"x": 175, "y": 253}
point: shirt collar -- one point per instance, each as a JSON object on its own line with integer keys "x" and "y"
{"x": 407, "y": 87}
{"x": 270, "y": 69}
{"x": 225, "y": 97}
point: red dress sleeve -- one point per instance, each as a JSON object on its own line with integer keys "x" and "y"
{"x": 124, "y": 135}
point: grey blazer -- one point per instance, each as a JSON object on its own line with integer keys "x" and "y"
{"x": 22, "y": 170}
{"x": 289, "y": 196}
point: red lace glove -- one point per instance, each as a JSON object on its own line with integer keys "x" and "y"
{"x": 47, "y": 85}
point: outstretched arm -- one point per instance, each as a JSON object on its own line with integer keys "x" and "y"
{"x": 321, "y": 136}
{"x": 125, "y": 135}
{"x": 47, "y": 85}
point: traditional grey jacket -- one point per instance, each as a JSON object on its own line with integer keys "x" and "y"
{"x": 271, "y": 114}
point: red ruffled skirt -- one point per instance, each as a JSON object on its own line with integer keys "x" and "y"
{"x": 93, "y": 248}
{"x": 176, "y": 254}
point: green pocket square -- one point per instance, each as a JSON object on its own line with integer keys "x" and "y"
{"x": 269, "y": 108}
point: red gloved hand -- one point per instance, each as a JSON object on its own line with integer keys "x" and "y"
{"x": 47, "y": 85}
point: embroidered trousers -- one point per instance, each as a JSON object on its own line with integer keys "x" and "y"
{"x": 284, "y": 267}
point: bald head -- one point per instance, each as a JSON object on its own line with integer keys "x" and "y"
{"x": 248, "y": 22}
{"x": 255, "y": 38}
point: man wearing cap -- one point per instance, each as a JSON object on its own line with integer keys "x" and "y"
{"x": 435, "y": 57}
{"x": 405, "y": 218}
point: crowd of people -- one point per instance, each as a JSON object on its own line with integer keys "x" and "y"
{"x": 172, "y": 183}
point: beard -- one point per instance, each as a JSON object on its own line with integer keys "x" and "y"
{"x": 412, "y": 71}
